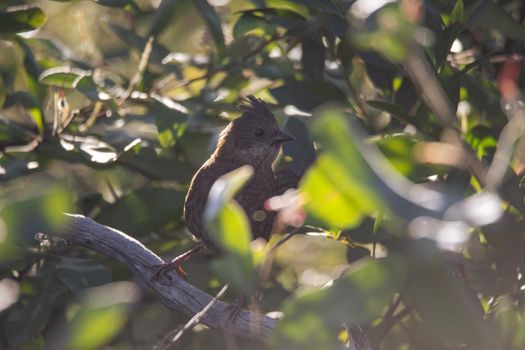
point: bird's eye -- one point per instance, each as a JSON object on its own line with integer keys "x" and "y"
{"x": 258, "y": 132}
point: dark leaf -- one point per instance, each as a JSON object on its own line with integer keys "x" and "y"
{"x": 29, "y": 316}
{"x": 322, "y": 5}
{"x": 301, "y": 150}
{"x": 80, "y": 273}
{"x": 144, "y": 210}
{"x": 307, "y": 95}
{"x": 16, "y": 20}
{"x": 313, "y": 58}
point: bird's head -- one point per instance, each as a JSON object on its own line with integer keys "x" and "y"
{"x": 253, "y": 138}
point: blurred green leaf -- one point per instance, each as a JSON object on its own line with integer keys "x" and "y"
{"x": 482, "y": 139}
{"x": 16, "y": 19}
{"x": 31, "y": 65}
{"x": 510, "y": 322}
{"x": 452, "y": 311}
{"x": 80, "y": 273}
{"x": 213, "y": 21}
{"x": 44, "y": 205}
{"x": 445, "y": 41}
{"x": 95, "y": 327}
{"x": 171, "y": 123}
{"x": 457, "y": 12}
{"x": 267, "y": 20}
{"x": 388, "y": 32}
{"x": 229, "y": 227}
{"x": 398, "y": 149}
{"x": 29, "y": 316}
{"x": 32, "y": 106}
{"x": 337, "y": 186}
{"x": 313, "y": 320}
{"x": 231, "y": 230}
{"x": 495, "y": 18}
{"x": 249, "y": 23}
{"x": 127, "y": 4}
{"x": 103, "y": 313}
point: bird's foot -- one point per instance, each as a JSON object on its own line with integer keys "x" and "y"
{"x": 234, "y": 308}
{"x": 175, "y": 264}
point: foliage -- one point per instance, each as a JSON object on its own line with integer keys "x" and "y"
{"x": 408, "y": 121}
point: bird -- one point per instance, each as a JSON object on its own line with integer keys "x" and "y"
{"x": 252, "y": 139}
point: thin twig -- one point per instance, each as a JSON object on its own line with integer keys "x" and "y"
{"x": 193, "y": 321}
{"x": 143, "y": 63}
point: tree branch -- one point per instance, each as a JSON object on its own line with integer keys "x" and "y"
{"x": 174, "y": 291}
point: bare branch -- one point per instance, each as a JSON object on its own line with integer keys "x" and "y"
{"x": 174, "y": 291}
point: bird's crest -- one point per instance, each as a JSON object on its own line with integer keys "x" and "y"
{"x": 255, "y": 106}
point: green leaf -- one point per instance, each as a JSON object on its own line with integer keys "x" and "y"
{"x": 31, "y": 104}
{"x": 398, "y": 149}
{"x": 71, "y": 78}
{"x": 230, "y": 229}
{"x": 495, "y": 18}
{"x": 312, "y": 320}
{"x": 249, "y": 23}
{"x": 213, "y": 21}
{"x": 457, "y": 12}
{"x": 337, "y": 186}
{"x": 334, "y": 195}
{"x": 224, "y": 189}
{"x": 451, "y": 310}
{"x": 127, "y": 4}
{"x": 103, "y": 313}
{"x": 64, "y": 76}
{"x": 95, "y": 327}
{"x": 44, "y": 203}
{"x": 445, "y": 41}
{"x": 17, "y": 20}
{"x": 171, "y": 123}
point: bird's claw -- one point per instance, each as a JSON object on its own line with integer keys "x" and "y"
{"x": 162, "y": 269}
{"x": 234, "y": 309}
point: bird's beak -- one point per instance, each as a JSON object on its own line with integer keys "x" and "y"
{"x": 282, "y": 136}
